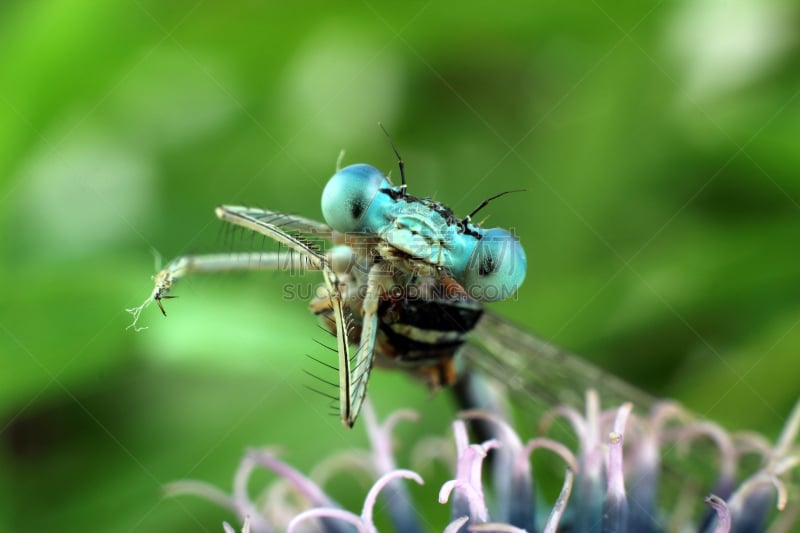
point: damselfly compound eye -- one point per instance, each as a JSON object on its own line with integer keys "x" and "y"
{"x": 353, "y": 201}
{"x": 496, "y": 267}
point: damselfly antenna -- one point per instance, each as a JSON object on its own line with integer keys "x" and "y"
{"x": 484, "y": 203}
{"x": 400, "y": 162}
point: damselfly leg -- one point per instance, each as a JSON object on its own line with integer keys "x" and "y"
{"x": 297, "y": 234}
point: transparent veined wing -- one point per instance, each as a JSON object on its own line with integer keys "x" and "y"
{"x": 535, "y": 369}
{"x": 288, "y": 222}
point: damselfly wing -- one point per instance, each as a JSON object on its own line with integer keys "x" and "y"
{"x": 532, "y": 368}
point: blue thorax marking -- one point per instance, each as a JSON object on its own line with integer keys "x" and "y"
{"x": 489, "y": 263}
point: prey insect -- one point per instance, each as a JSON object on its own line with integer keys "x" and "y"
{"x": 404, "y": 279}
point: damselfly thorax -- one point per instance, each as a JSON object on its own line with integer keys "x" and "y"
{"x": 423, "y": 316}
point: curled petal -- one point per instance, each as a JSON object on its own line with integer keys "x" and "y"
{"x": 509, "y": 436}
{"x": 353, "y": 462}
{"x": 330, "y": 513}
{"x": 301, "y": 483}
{"x": 561, "y": 504}
{"x": 241, "y": 497}
{"x": 723, "y": 514}
{"x": 280, "y": 502}
{"x": 456, "y": 525}
{"x": 738, "y": 501}
{"x": 664, "y": 411}
{"x": 201, "y": 489}
{"x": 468, "y": 470}
{"x": 719, "y": 436}
{"x": 446, "y": 490}
{"x": 751, "y": 442}
{"x": 372, "y": 495}
{"x": 380, "y": 436}
{"x": 554, "y": 446}
{"x": 398, "y": 416}
{"x": 399, "y": 504}
{"x": 474, "y": 458}
{"x": 477, "y": 506}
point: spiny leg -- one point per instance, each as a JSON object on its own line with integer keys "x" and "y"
{"x": 342, "y": 347}
{"x": 378, "y": 281}
{"x": 351, "y": 391}
{"x": 269, "y": 223}
{"x": 307, "y": 256}
{"x": 251, "y": 219}
{"x": 217, "y": 263}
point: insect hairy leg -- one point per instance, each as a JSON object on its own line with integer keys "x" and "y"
{"x": 378, "y": 281}
{"x": 343, "y": 349}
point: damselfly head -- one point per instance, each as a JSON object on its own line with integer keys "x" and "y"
{"x": 489, "y": 263}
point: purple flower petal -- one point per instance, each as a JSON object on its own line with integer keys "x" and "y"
{"x": 551, "y": 526}
{"x": 723, "y": 515}
{"x": 383, "y": 481}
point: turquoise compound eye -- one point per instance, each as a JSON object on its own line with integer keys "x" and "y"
{"x": 348, "y": 196}
{"x": 496, "y": 267}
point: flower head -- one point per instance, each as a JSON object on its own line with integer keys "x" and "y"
{"x": 612, "y": 480}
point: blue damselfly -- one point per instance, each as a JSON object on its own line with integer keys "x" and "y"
{"x": 404, "y": 282}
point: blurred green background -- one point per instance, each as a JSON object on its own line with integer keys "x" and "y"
{"x": 657, "y": 141}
